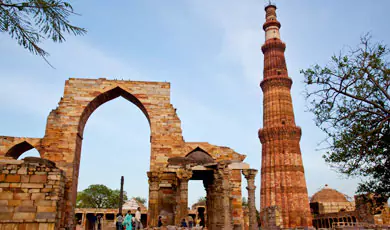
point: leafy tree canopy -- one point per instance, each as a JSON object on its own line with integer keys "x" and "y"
{"x": 350, "y": 99}
{"x": 202, "y": 199}
{"x": 31, "y": 21}
{"x": 99, "y": 196}
{"x": 141, "y": 200}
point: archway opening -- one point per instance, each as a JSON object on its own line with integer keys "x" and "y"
{"x": 198, "y": 198}
{"x": 22, "y": 150}
{"x": 29, "y": 153}
{"x": 116, "y": 142}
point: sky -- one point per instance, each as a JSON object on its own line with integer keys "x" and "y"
{"x": 210, "y": 52}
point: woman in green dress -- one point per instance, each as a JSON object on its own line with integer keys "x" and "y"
{"x": 127, "y": 223}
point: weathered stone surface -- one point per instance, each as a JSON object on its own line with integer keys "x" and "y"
{"x": 24, "y": 201}
{"x": 61, "y": 147}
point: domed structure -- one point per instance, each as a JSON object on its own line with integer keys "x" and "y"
{"x": 327, "y": 195}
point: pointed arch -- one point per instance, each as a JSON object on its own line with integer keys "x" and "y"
{"x": 105, "y": 97}
{"x": 200, "y": 156}
{"x": 17, "y": 150}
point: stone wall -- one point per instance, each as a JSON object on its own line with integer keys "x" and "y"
{"x": 31, "y": 192}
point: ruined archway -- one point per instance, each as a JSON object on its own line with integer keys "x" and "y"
{"x": 14, "y": 147}
{"x": 105, "y": 97}
{"x": 115, "y": 94}
{"x": 118, "y": 147}
{"x": 167, "y": 185}
{"x": 64, "y": 131}
{"x": 17, "y": 150}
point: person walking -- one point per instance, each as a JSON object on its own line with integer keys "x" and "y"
{"x": 93, "y": 221}
{"x": 138, "y": 223}
{"x": 99, "y": 222}
{"x": 127, "y": 222}
{"x": 183, "y": 223}
{"x": 159, "y": 224}
{"x": 197, "y": 221}
{"x": 119, "y": 221}
{"x": 190, "y": 222}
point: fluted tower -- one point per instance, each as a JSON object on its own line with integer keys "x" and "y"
{"x": 283, "y": 185}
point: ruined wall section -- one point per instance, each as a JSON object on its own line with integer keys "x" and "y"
{"x": 218, "y": 153}
{"x": 13, "y": 147}
{"x": 62, "y": 142}
{"x": 31, "y": 192}
{"x": 65, "y": 125}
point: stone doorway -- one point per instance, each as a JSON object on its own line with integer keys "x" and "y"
{"x": 199, "y": 209}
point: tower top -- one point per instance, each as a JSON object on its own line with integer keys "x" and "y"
{"x": 270, "y": 4}
{"x": 271, "y": 25}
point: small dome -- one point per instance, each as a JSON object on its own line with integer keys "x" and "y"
{"x": 327, "y": 194}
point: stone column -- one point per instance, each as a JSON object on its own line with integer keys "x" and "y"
{"x": 222, "y": 181}
{"x": 154, "y": 180}
{"x": 83, "y": 220}
{"x": 184, "y": 176}
{"x": 250, "y": 175}
{"x": 210, "y": 203}
{"x": 236, "y": 197}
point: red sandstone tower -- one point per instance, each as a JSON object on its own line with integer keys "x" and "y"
{"x": 284, "y": 199}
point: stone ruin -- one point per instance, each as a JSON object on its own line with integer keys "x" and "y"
{"x": 42, "y": 193}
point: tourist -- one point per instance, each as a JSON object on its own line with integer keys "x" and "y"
{"x": 127, "y": 222}
{"x": 183, "y": 223}
{"x": 119, "y": 221}
{"x": 190, "y": 222}
{"x": 159, "y": 224}
{"x": 197, "y": 221}
{"x": 93, "y": 222}
{"x": 99, "y": 222}
{"x": 138, "y": 223}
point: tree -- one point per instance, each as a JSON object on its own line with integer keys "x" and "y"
{"x": 98, "y": 196}
{"x": 244, "y": 202}
{"x": 350, "y": 99}
{"x": 202, "y": 199}
{"x": 31, "y": 21}
{"x": 140, "y": 199}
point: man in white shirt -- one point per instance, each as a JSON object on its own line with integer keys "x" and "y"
{"x": 138, "y": 224}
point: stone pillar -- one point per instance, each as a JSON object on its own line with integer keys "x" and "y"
{"x": 223, "y": 175}
{"x": 250, "y": 175}
{"x": 154, "y": 180}
{"x": 236, "y": 195}
{"x": 210, "y": 203}
{"x": 84, "y": 220}
{"x": 182, "y": 211}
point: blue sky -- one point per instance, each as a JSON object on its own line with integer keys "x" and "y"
{"x": 209, "y": 51}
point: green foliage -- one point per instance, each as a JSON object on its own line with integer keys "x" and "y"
{"x": 350, "y": 99}
{"x": 244, "y": 202}
{"x": 99, "y": 196}
{"x": 202, "y": 199}
{"x": 31, "y": 21}
{"x": 141, "y": 200}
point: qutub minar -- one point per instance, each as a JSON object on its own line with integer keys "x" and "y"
{"x": 284, "y": 198}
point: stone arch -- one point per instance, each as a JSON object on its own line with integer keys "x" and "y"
{"x": 105, "y": 97}
{"x": 17, "y": 150}
{"x": 65, "y": 125}
{"x": 200, "y": 156}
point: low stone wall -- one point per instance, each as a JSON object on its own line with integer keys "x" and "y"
{"x": 31, "y": 192}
